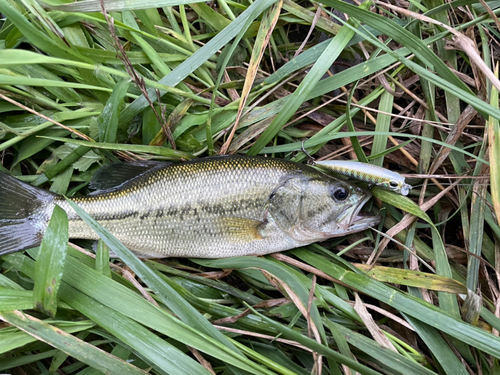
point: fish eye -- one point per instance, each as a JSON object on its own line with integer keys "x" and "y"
{"x": 394, "y": 184}
{"x": 340, "y": 193}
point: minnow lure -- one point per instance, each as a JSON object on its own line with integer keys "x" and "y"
{"x": 367, "y": 172}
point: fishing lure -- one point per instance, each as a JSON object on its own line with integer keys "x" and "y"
{"x": 367, "y": 172}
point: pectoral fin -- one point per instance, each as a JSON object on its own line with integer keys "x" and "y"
{"x": 240, "y": 230}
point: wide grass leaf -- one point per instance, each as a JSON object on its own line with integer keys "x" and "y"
{"x": 15, "y": 299}
{"x": 12, "y": 337}
{"x": 157, "y": 351}
{"x": 107, "y": 121}
{"x": 410, "y": 305}
{"x": 414, "y": 278}
{"x": 50, "y": 264}
{"x": 113, "y": 5}
{"x": 494, "y": 150}
{"x": 167, "y": 153}
{"x": 124, "y": 301}
{"x": 69, "y": 344}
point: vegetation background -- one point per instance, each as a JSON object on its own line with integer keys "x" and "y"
{"x": 408, "y": 85}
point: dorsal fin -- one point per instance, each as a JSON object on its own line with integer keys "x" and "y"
{"x": 111, "y": 176}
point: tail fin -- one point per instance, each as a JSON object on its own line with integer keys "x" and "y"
{"x": 23, "y": 214}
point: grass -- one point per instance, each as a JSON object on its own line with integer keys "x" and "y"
{"x": 87, "y": 83}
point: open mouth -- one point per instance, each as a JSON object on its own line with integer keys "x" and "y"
{"x": 356, "y": 213}
{"x": 362, "y": 220}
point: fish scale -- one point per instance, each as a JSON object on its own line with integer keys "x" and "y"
{"x": 214, "y": 207}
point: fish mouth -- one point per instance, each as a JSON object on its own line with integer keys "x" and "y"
{"x": 362, "y": 220}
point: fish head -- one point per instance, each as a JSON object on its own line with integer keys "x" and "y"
{"x": 311, "y": 209}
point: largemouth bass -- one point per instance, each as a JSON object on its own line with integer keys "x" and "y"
{"x": 208, "y": 208}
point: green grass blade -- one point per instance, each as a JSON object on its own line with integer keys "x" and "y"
{"x": 199, "y": 57}
{"x": 476, "y": 235}
{"x": 494, "y": 149}
{"x": 55, "y": 169}
{"x": 15, "y": 299}
{"x": 16, "y": 362}
{"x": 12, "y": 338}
{"x": 114, "y": 5}
{"x": 340, "y": 339}
{"x": 107, "y": 121}
{"x": 383, "y": 125}
{"x": 48, "y": 23}
{"x": 414, "y": 278}
{"x": 50, "y": 263}
{"x": 360, "y": 155}
{"x": 168, "y": 295}
{"x": 29, "y": 81}
{"x": 63, "y": 94}
{"x": 401, "y": 202}
{"x": 306, "y": 86}
{"x": 102, "y": 259}
{"x": 439, "y": 347}
{"x": 410, "y": 305}
{"x": 465, "y": 95}
{"x": 167, "y": 153}
{"x": 159, "y": 352}
{"x": 69, "y": 344}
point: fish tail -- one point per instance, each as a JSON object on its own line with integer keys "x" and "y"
{"x": 23, "y": 214}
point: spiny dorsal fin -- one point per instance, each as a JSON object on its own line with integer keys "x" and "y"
{"x": 111, "y": 176}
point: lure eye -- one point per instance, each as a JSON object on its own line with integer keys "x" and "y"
{"x": 340, "y": 193}
{"x": 394, "y": 184}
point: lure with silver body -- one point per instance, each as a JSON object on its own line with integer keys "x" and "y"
{"x": 372, "y": 174}
{"x": 209, "y": 208}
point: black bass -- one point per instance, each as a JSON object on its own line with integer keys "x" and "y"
{"x": 207, "y": 208}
